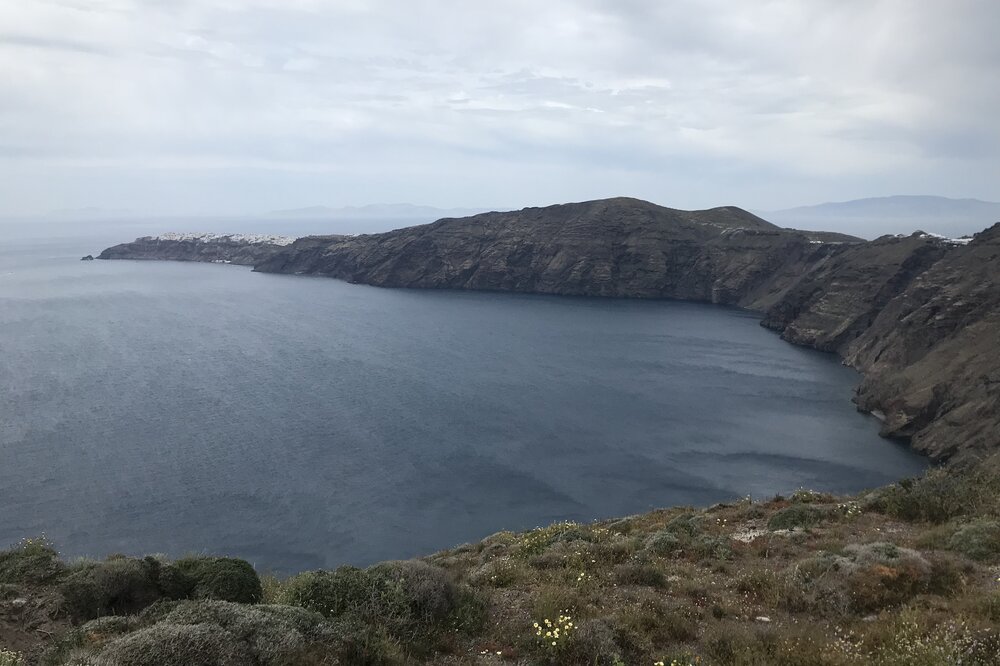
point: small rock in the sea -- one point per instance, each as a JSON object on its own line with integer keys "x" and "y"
{"x": 89, "y": 257}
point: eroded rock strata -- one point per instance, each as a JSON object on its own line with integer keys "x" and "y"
{"x": 919, "y": 316}
{"x": 243, "y": 249}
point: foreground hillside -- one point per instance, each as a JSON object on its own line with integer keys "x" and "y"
{"x": 907, "y": 574}
{"x": 917, "y": 315}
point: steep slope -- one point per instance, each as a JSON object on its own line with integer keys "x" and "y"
{"x": 931, "y": 358}
{"x": 920, "y": 319}
{"x": 612, "y": 247}
{"x": 838, "y": 297}
{"x": 243, "y": 249}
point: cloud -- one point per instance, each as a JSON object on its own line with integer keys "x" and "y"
{"x": 768, "y": 103}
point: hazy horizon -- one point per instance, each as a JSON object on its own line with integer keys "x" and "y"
{"x": 223, "y": 108}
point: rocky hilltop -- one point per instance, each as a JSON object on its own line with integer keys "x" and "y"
{"x": 611, "y": 248}
{"x": 918, "y": 315}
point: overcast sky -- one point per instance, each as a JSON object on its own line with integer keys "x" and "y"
{"x": 241, "y": 106}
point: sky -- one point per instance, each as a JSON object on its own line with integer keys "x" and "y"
{"x": 243, "y": 106}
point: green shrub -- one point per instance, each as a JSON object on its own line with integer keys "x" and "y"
{"x": 331, "y": 593}
{"x": 426, "y": 592}
{"x": 797, "y": 515}
{"x": 867, "y": 578}
{"x": 406, "y": 598}
{"x": 202, "y": 632}
{"x": 500, "y": 572}
{"x": 979, "y": 540}
{"x": 553, "y": 600}
{"x": 654, "y": 618}
{"x": 712, "y": 548}
{"x": 939, "y": 496}
{"x": 177, "y": 645}
{"x": 988, "y": 607}
{"x": 222, "y": 578}
{"x": 471, "y": 610}
{"x": 640, "y": 574}
{"x": 174, "y": 583}
{"x": 112, "y": 587}
{"x": 880, "y": 575}
{"x": 364, "y": 644}
{"x": 592, "y": 643}
{"x": 616, "y": 551}
{"x": 686, "y": 524}
{"x": 763, "y": 585}
{"x": 663, "y": 543}
{"x": 30, "y": 561}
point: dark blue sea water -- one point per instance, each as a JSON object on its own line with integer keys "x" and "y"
{"x": 305, "y": 422}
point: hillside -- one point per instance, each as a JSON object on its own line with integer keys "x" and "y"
{"x": 901, "y": 576}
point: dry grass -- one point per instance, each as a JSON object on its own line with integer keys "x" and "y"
{"x": 903, "y": 575}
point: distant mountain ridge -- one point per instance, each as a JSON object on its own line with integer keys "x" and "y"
{"x": 900, "y": 214}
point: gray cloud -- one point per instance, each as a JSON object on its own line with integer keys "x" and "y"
{"x": 243, "y": 105}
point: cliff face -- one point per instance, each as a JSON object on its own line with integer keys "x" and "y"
{"x": 245, "y": 250}
{"x": 836, "y": 299}
{"x": 931, "y": 358}
{"x": 920, "y": 319}
{"x": 615, "y": 247}
{"x": 919, "y": 316}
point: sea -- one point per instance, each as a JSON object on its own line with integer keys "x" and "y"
{"x": 305, "y": 423}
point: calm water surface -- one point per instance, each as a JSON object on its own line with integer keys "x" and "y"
{"x": 305, "y": 422}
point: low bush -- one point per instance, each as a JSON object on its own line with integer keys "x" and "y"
{"x": 425, "y": 593}
{"x": 331, "y": 593}
{"x": 30, "y": 561}
{"x": 592, "y": 644}
{"x": 221, "y": 578}
{"x": 686, "y": 524}
{"x": 407, "y": 598}
{"x": 978, "y": 540}
{"x": 177, "y": 645}
{"x": 552, "y": 600}
{"x": 209, "y": 633}
{"x": 663, "y": 543}
{"x": 471, "y": 610}
{"x": 640, "y": 574}
{"x": 795, "y": 516}
{"x": 910, "y": 638}
{"x": 616, "y": 550}
{"x": 709, "y": 547}
{"x": 500, "y": 572}
{"x": 112, "y": 587}
{"x": 121, "y": 585}
{"x": 364, "y": 644}
{"x": 939, "y": 496}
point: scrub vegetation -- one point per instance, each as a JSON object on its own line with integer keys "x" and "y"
{"x": 906, "y": 574}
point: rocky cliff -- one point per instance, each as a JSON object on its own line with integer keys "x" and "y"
{"x": 931, "y": 357}
{"x": 243, "y": 249}
{"x": 611, "y": 248}
{"x": 919, "y": 316}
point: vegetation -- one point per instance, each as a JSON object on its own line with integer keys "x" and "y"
{"x": 906, "y": 574}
